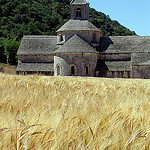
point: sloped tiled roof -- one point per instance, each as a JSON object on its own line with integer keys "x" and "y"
{"x": 147, "y": 63}
{"x": 37, "y": 45}
{"x": 73, "y": 25}
{"x": 119, "y": 66}
{"x": 76, "y": 45}
{"x": 78, "y": 2}
{"x": 35, "y": 67}
{"x": 125, "y": 44}
{"x": 114, "y": 66}
{"x": 140, "y": 58}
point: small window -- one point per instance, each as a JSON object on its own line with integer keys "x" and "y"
{"x": 72, "y": 70}
{"x": 58, "y": 70}
{"x": 87, "y": 68}
{"x": 94, "y": 37}
{"x": 78, "y": 12}
{"x": 60, "y": 38}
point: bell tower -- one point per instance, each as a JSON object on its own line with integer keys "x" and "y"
{"x": 79, "y": 10}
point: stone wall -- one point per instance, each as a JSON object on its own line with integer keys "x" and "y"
{"x": 84, "y": 10}
{"x": 141, "y": 72}
{"x": 110, "y": 65}
{"x": 114, "y": 74}
{"x": 79, "y": 61}
{"x": 141, "y": 65}
{"x": 85, "y": 35}
{"x": 45, "y": 73}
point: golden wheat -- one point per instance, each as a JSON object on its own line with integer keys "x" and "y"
{"x": 71, "y": 113}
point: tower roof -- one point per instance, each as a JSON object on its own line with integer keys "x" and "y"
{"x": 78, "y": 25}
{"x": 78, "y": 2}
{"x": 76, "y": 45}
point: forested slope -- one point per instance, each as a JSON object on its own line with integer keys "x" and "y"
{"x": 42, "y": 17}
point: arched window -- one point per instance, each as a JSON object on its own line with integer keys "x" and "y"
{"x": 60, "y": 37}
{"x": 58, "y": 70}
{"x": 94, "y": 37}
{"x": 19, "y": 63}
{"x": 78, "y": 12}
{"x": 87, "y": 69}
{"x": 72, "y": 70}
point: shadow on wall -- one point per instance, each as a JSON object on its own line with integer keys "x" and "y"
{"x": 104, "y": 44}
{"x": 101, "y": 65}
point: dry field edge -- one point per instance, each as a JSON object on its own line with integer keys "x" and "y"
{"x": 74, "y": 113}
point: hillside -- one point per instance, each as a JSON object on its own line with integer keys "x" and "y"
{"x": 7, "y": 69}
{"x": 42, "y": 17}
{"x": 74, "y": 113}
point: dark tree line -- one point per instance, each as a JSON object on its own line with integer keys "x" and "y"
{"x": 41, "y": 17}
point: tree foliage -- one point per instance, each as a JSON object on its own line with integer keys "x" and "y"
{"x": 42, "y": 17}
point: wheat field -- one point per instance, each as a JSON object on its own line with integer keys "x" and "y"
{"x": 74, "y": 113}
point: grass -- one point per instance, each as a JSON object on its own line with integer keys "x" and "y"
{"x": 74, "y": 113}
{"x": 7, "y": 69}
{"x": 0, "y": 65}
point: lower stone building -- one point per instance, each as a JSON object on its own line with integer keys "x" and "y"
{"x": 80, "y": 49}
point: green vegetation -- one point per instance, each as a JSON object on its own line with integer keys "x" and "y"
{"x": 41, "y": 17}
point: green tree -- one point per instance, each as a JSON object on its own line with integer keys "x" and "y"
{"x": 19, "y": 17}
{"x": 10, "y": 47}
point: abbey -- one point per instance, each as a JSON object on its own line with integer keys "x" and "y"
{"x": 80, "y": 49}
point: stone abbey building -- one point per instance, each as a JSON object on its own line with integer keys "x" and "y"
{"x": 80, "y": 49}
